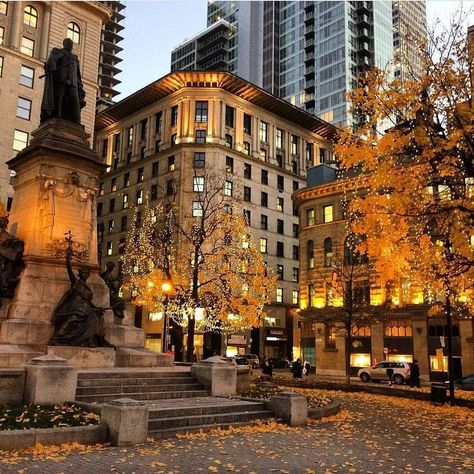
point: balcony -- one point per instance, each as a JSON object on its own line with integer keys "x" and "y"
{"x": 363, "y": 21}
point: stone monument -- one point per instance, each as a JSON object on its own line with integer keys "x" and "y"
{"x": 55, "y": 188}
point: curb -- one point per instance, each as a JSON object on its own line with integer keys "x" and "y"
{"x": 322, "y": 412}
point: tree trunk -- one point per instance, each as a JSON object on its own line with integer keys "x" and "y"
{"x": 190, "y": 344}
{"x": 347, "y": 355}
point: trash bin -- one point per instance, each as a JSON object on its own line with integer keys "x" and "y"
{"x": 438, "y": 393}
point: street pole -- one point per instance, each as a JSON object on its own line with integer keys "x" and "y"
{"x": 450, "y": 349}
{"x": 165, "y": 324}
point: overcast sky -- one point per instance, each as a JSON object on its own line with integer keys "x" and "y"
{"x": 154, "y": 27}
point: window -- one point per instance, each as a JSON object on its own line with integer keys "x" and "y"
{"x": 199, "y": 159}
{"x": 110, "y": 249}
{"x": 101, "y": 189}
{"x": 111, "y": 226}
{"x": 279, "y": 138}
{"x": 228, "y": 209}
{"x": 20, "y": 140}
{"x": 330, "y": 336}
{"x": 279, "y": 295}
{"x": 296, "y": 252}
{"x": 263, "y": 222}
{"x": 228, "y": 188}
{"x": 309, "y": 153}
{"x": 74, "y": 32}
{"x": 329, "y": 295}
{"x": 310, "y": 217}
{"x": 112, "y": 206}
{"x": 126, "y": 180}
{"x": 352, "y": 255}
{"x": 154, "y": 169}
{"x": 280, "y": 183}
{"x": 280, "y": 249}
{"x": 229, "y": 164}
{"x": 174, "y": 116}
{"x": 264, "y": 177}
{"x": 154, "y": 192}
{"x": 140, "y": 175}
{"x": 280, "y": 226}
{"x": 310, "y": 253}
{"x": 294, "y": 166}
{"x": 2, "y": 34}
{"x": 173, "y": 139}
{"x": 263, "y": 135}
{"x": 229, "y": 116}
{"x": 399, "y": 328}
{"x": 200, "y": 136}
{"x": 263, "y": 154}
{"x": 198, "y": 184}
{"x": 294, "y": 145}
{"x": 123, "y": 224}
{"x": 361, "y": 292}
{"x": 361, "y": 331}
{"x": 121, "y": 247}
{"x": 247, "y": 124}
{"x": 125, "y": 201}
{"x": 100, "y": 208}
{"x": 157, "y": 146}
{"x": 139, "y": 195}
{"x": 247, "y": 216}
{"x": 247, "y": 148}
{"x": 247, "y": 194}
{"x": 116, "y": 142}
{"x": 296, "y": 231}
{"x": 280, "y": 204}
{"x": 27, "y": 46}
{"x": 201, "y": 111}
{"x": 247, "y": 171}
{"x": 296, "y": 274}
{"x": 30, "y": 16}
{"x": 279, "y": 160}
{"x": 143, "y": 129}
{"x": 113, "y": 185}
{"x": 263, "y": 245}
{"x": 279, "y": 272}
{"x": 23, "y": 108}
{"x": 158, "y": 121}
{"x": 327, "y": 213}
{"x": 1, "y": 66}
{"x": 197, "y": 209}
{"x": 171, "y": 163}
{"x": 295, "y": 185}
{"x": 170, "y": 187}
{"x": 3, "y": 8}
{"x": 295, "y": 297}
{"x": 228, "y": 140}
{"x": 264, "y": 200}
{"x": 327, "y": 252}
{"x": 295, "y": 209}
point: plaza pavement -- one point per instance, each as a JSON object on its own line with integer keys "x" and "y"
{"x": 372, "y": 434}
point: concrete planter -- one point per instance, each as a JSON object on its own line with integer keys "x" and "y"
{"x": 22, "y": 439}
{"x": 321, "y": 412}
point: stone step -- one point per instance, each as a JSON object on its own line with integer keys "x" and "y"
{"x": 107, "y": 397}
{"x": 142, "y": 381}
{"x": 127, "y": 389}
{"x": 204, "y": 409}
{"x": 110, "y": 374}
{"x": 171, "y": 432}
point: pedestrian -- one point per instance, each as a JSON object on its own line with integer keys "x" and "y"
{"x": 195, "y": 357}
{"x": 297, "y": 369}
{"x": 307, "y": 367}
{"x": 415, "y": 374}
{"x": 390, "y": 375}
{"x": 267, "y": 368}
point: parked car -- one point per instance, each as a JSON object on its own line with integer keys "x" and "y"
{"x": 465, "y": 383}
{"x": 278, "y": 362}
{"x": 239, "y": 360}
{"x": 401, "y": 372}
{"x": 253, "y": 360}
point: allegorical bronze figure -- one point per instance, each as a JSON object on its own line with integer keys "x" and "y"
{"x": 116, "y": 302}
{"x": 77, "y": 321}
{"x": 64, "y": 95}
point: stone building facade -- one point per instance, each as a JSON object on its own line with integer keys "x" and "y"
{"x": 217, "y": 120}
{"x": 28, "y": 31}
{"x": 400, "y": 328}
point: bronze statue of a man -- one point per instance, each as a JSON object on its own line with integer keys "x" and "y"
{"x": 63, "y": 96}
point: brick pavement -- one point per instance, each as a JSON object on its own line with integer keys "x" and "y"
{"x": 373, "y": 434}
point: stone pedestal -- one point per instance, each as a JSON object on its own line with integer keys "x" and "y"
{"x": 127, "y": 420}
{"x": 85, "y": 357}
{"x": 50, "y": 380}
{"x": 218, "y": 375}
{"x": 291, "y": 407}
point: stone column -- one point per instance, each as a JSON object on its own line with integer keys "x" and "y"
{"x": 420, "y": 345}
{"x": 291, "y": 407}
{"x": 376, "y": 331}
{"x": 45, "y": 23}
{"x": 466, "y": 330}
{"x": 16, "y": 24}
{"x": 49, "y": 380}
{"x": 218, "y": 375}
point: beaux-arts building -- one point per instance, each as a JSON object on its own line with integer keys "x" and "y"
{"x": 401, "y": 330}
{"x": 192, "y": 119}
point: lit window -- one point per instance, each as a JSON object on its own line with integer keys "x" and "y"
{"x": 140, "y": 196}
{"x": 74, "y": 32}
{"x": 327, "y": 252}
{"x": 310, "y": 254}
{"x": 3, "y": 8}
{"x": 228, "y": 188}
{"x": 263, "y": 245}
{"x": 2, "y": 34}
{"x": 30, "y": 16}
{"x": 23, "y": 108}
{"x": 360, "y": 360}
{"x": 280, "y": 204}
{"x": 246, "y": 148}
{"x": 1, "y": 66}
{"x": 171, "y": 163}
{"x": 279, "y": 272}
{"x": 201, "y": 111}
{"x": 294, "y": 145}
{"x": 109, "y": 248}
{"x": 263, "y": 132}
{"x": 279, "y": 295}
{"x": 438, "y": 365}
{"x": 111, "y": 226}
{"x": 329, "y": 294}
{"x": 125, "y": 201}
{"x": 197, "y": 209}
{"x": 263, "y": 154}
{"x": 279, "y": 138}
{"x": 198, "y": 184}
{"x": 295, "y": 297}
{"x": 327, "y": 213}
{"x": 27, "y": 46}
{"x": 174, "y": 116}
{"x": 310, "y": 217}
{"x": 296, "y": 274}
{"x": 229, "y": 164}
{"x": 399, "y": 328}
{"x": 101, "y": 189}
{"x": 20, "y": 140}
{"x": 130, "y": 136}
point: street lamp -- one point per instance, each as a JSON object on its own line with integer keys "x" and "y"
{"x": 166, "y": 289}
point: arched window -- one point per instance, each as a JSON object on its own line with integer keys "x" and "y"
{"x": 327, "y": 252}
{"x": 74, "y": 32}
{"x": 310, "y": 254}
{"x": 352, "y": 255}
{"x": 30, "y": 16}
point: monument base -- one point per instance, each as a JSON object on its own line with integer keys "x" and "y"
{"x": 134, "y": 357}
{"x": 13, "y": 356}
{"x": 85, "y": 357}
{"x": 124, "y": 336}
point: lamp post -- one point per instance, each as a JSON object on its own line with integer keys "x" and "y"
{"x": 449, "y": 324}
{"x": 166, "y": 288}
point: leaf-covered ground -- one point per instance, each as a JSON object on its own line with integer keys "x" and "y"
{"x": 25, "y": 417}
{"x": 372, "y": 434}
